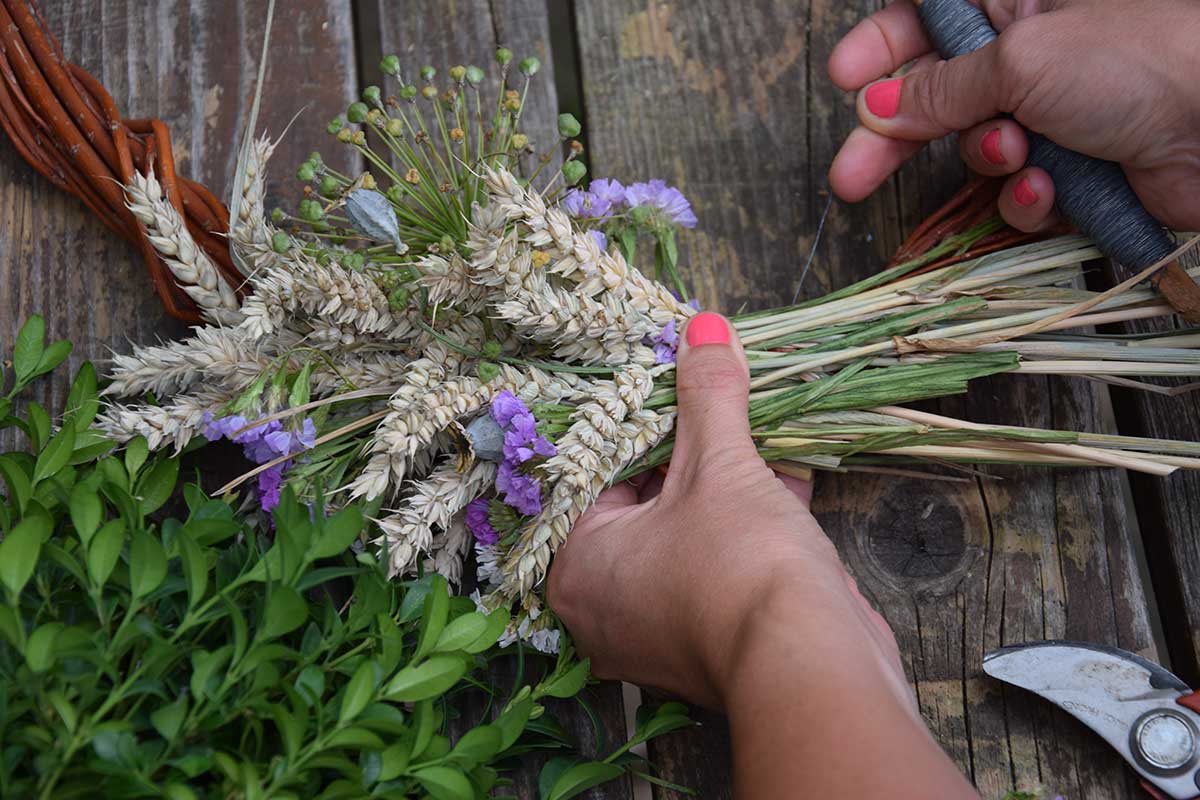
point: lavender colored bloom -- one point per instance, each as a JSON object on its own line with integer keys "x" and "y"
{"x": 307, "y": 437}
{"x": 666, "y": 344}
{"x": 223, "y": 427}
{"x": 607, "y": 195}
{"x": 668, "y": 199}
{"x": 601, "y": 239}
{"x": 505, "y": 406}
{"x": 269, "y": 483}
{"x": 478, "y": 522}
{"x": 522, "y": 442}
{"x": 522, "y": 492}
{"x": 574, "y": 201}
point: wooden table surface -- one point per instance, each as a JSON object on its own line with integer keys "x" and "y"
{"x": 729, "y": 101}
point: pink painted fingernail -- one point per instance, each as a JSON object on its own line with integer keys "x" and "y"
{"x": 883, "y": 98}
{"x": 707, "y": 328}
{"x": 991, "y": 147}
{"x": 1024, "y": 194}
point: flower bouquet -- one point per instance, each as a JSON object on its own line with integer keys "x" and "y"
{"x": 457, "y": 337}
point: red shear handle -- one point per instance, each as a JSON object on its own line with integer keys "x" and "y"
{"x": 1189, "y": 701}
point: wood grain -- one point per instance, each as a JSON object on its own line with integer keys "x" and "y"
{"x": 193, "y": 65}
{"x": 736, "y": 110}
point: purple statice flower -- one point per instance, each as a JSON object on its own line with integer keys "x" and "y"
{"x": 607, "y": 196}
{"x": 666, "y": 344}
{"x": 667, "y": 199}
{"x": 270, "y": 481}
{"x": 601, "y": 239}
{"x": 479, "y": 523}
{"x": 522, "y": 492}
{"x": 505, "y": 406}
{"x": 522, "y": 442}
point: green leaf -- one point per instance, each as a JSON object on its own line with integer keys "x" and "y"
{"x": 461, "y": 632}
{"x": 66, "y": 712}
{"x": 285, "y": 611}
{"x": 425, "y": 719}
{"x": 567, "y": 684}
{"x": 578, "y": 779}
{"x": 437, "y": 608}
{"x": 310, "y": 685}
{"x": 155, "y": 486}
{"x": 477, "y": 746}
{"x": 195, "y": 566}
{"x": 512, "y": 722}
{"x": 27, "y": 350}
{"x": 661, "y": 724}
{"x": 359, "y": 691}
{"x": 168, "y": 718}
{"x": 19, "y": 551}
{"x": 55, "y": 454}
{"x": 19, "y": 487}
{"x": 444, "y": 783}
{"x": 497, "y": 623}
{"x": 82, "y": 403}
{"x": 395, "y": 761}
{"x": 104, "y": 550}
{"x": 337, "y": 534}
{"x": 300, "y": 386}
{"x": 52, "y": 356}
{"x": 39, "y": 650}
{"x": 10, "y": 628}
{"x": 355, "y": 737}
{"x": 39, "y": 425}
{"x": 147, "y": 564}
{"x": 86, "y": 510}
{"x": 136, "y": 452}
{"x": 430, "y": 679}
{"x": 290, "y": 729}
{"x": 205, "y": 665}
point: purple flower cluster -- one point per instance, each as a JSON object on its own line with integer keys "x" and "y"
{"x": 264, "y": 443}
{"x": 521, "y": 443}
{"x": 666, "y": 344}
{"x": 479, "y": 521}
{"x": 605, "y": 197}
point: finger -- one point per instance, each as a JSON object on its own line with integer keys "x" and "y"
{"x": 801, "y": 488}
{"x": 712, "y": 385}
{"x": 865, "y": 161}
{"x": 621, "y": 495}
{"x": 931, "y": 103}
{"x": 878, "y": 46}
{"x": 997, "y": 147}
{"x": 1027, "y": 201}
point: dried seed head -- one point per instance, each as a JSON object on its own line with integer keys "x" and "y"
{"x": 412, "y": 176}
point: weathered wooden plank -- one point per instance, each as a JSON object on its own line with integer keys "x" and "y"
{"x": 737, "y": 110}
{"x": 441, "y": 34}
{"x": 192, "y": 65}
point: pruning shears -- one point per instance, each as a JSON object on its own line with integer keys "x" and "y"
{"x": 1147, "y": 714}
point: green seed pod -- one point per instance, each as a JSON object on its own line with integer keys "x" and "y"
{"x": 358, "y": 137}
{"x": 529, "y": 66}
{"x": 491, "y": 350}
{"x": 428, "y": 73}
{"x": 394, "y": 127}
{"x": 573, "y": 171}
{"x": 429, "y": 92}
{"x": 280, "y": 242}
{"x": 329, "y": 186}
{"x": 335, "y": 125}
{"x": 357, "y": 112}
{"x": 277, "y": 215}
{"x": 568, "y": 126}
{"x": 315, "y": 158}
{"x": 355, "y": 260}
{"x": 474, "y": 75}
{"x": 396, "y": 195}
{"x": 323, "y": 258}
{"x": 504, "y": 56}
{"x": 345, "y": 135}
{"x": 487, "y": 371}
{"x": 458, "y": 73}
{"x": 390, "y": 65}
{"x": 306, "y": 172}
{"x": 398, "y": 299}
{"x": 371, "y": 95}
{"x": 310, "y": 210}
{"x": 520, "y": 141}
{"x": 408, "y": 92}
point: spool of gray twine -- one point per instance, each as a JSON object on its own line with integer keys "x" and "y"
{"x": 1090, "y": 193}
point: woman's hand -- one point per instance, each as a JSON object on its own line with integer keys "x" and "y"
{"x": 1114, "y": 79}
{"x": 717, "y": 584}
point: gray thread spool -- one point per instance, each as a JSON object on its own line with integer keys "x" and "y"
{"x": 1092, "y": 194}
